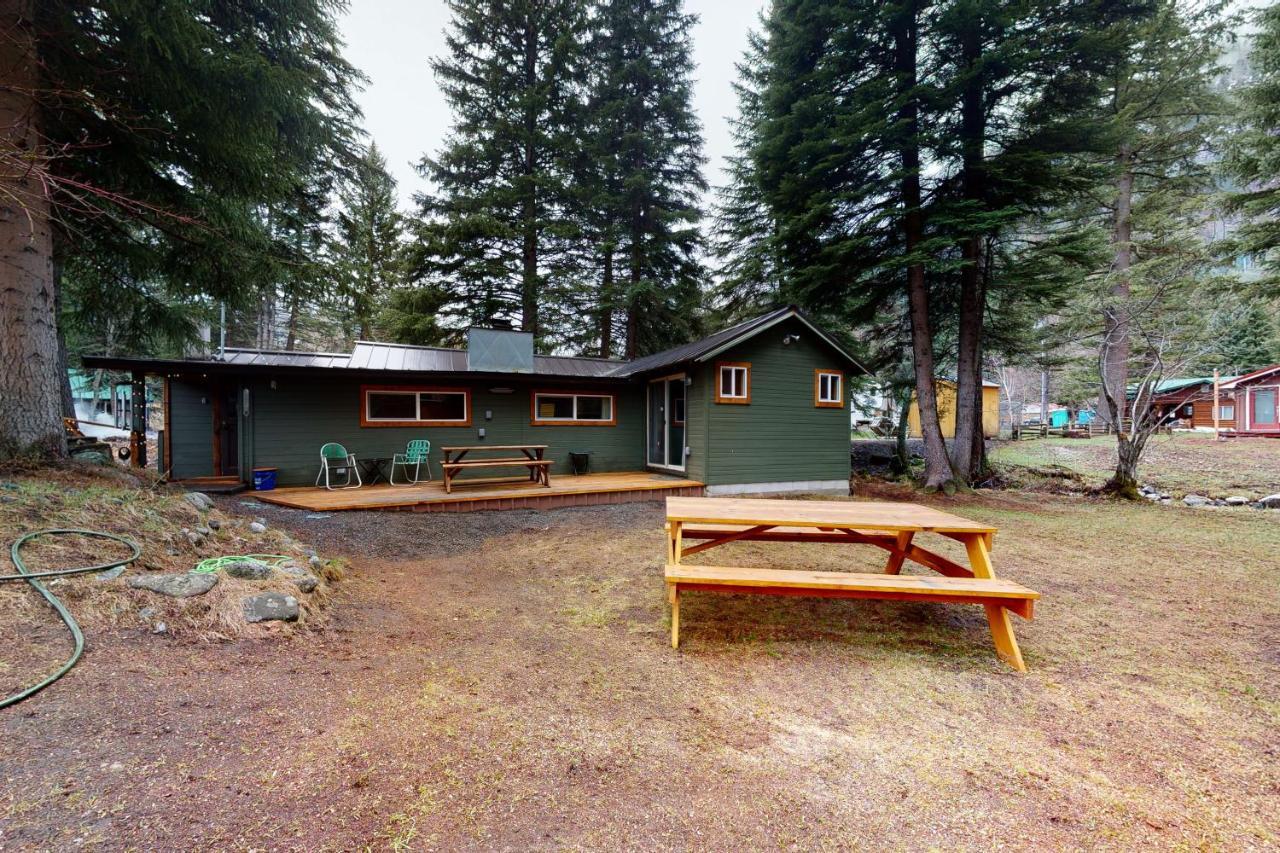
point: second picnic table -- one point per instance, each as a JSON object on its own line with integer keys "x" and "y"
{"x": 532, "y": 457}
{"x": 713, "y": 522}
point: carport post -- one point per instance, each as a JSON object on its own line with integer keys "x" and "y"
{"x": 138, "y": 427}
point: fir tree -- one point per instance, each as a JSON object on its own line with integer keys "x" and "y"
{"x": 141, "y": 142}
{"x": 829, "y": 177}
{"x": 644, "y": 159}
{"x": 1015, "y": 87}
{"x": 368, "y": 245}
{"x": 1253, "y": 153}
{"x": 1162, "y": 113}
{"x": 1244, "y": 337}
{"x": 494, "y": 233}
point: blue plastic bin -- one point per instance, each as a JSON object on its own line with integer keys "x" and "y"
{"x": 264, "y": 479}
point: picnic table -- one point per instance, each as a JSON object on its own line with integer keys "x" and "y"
{"x": 893, "y": 527}
{"x": 532, "y": 457}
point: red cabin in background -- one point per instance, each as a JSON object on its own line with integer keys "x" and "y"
{"x": 1189, "y": 402}
{"x": 1257, "y": 401}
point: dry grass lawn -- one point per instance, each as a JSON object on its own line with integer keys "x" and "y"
{"x": 1180, "y": 463}
{"x": 503, "y": 681}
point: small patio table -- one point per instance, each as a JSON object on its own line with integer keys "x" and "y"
{"x": 372, "y": 468}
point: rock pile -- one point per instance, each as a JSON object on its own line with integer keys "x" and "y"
{"x": 1155, "y": 495}
{"x": 298, "y": 575}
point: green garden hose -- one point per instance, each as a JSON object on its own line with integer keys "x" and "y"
{"x": 214, "y": 563}
{"x": 33, "y": 578}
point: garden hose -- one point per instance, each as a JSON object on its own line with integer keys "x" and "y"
{"x": 214, "y": 563}
{"x": 33, "y": 578}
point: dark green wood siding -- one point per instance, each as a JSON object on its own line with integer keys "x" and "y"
{"x": 780, "y": 436}
{"x": 291, "y": 421}
{"x": 190, "y": 430}
{"x": 697, "y": 396}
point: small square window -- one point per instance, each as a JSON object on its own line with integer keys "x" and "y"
{"x": 733, "y": 384}
{"x": 828, "y": 389}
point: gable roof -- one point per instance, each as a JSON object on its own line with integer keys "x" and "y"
{"x": 713, "y": 345}
{"x": 1250, "y": 377}
{"x": 406, "y": 358}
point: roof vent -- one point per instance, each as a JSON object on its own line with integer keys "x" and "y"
{"x": 499, "y": 350}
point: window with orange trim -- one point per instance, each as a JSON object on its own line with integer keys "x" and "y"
{"x": 551, "y": 408}
{"x": 406, "y": 405}
{"x": 733, "y": 382}
{"x": 828, "y": 389}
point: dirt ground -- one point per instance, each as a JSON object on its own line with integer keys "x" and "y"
{"x": 504, "y": 681}
{"x": 1179, "y": 463}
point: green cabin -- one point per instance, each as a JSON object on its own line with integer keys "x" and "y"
{"x": 758, "y": 407}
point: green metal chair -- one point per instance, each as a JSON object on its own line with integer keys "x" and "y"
{"x": 417, "y": 452}
{"x": 334, "y": 457}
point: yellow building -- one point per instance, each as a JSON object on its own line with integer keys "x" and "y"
{"x": 946, "y": 390}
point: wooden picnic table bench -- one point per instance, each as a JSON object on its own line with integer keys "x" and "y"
{"x": 712, "y": 522}
{"x": 532, "y": 457}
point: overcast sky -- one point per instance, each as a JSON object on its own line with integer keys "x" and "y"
{"x": 391, "y": 41}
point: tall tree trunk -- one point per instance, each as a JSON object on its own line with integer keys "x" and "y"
{"x": 266, "y": 319}
{"x": 529, "y": 206}
{"x": 606, "y": 303}
{"x": 1115, "y": 339}
{"x": 636, "y": 275}
{"x": 64, "y": 361}
{"x": 1044, "y": 398}
{"x": 978, "y": 438}
{"x": 633, "y": 322}
{"x": 291, "y": 340}
{"x": 1124, "y": 482}
{"x": 902, "y": 456}
{"x": 30, "y": 383}
{"x": 972, "y": 295}
{"x": 937, "y": 466}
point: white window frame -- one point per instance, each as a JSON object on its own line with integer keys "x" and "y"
{"x": 824, "y": 377}
{"x": 538, "y": 420}
{"x": 741, "y": 388}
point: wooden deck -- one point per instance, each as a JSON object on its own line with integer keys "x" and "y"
{"x": 483, "y": 494}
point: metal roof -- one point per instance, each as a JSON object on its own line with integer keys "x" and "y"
{"x": 369, "y": 355}
{"x": 366, "y": 356}
{"x": 405, "y": 358}
{"x": 280, "y": 358}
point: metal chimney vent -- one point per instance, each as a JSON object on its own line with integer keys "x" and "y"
{"x": 499, "y": 351}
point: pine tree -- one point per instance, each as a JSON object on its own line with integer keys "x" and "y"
{"x": 1244, "y": 337}
{"x": 411, "y": 314}
{"x": 141, "y": 141}
{"x": 644, "y": 179}
{"x": 750, "y": 278}
{"x": 494, "y": 233}
{"x": 831, "y": 179}
{"x": 368, "y": 244}
{"x": 1253, "y": 153}
{"x": 1162, "y": 112}
{"x": 1015, "y": 87}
